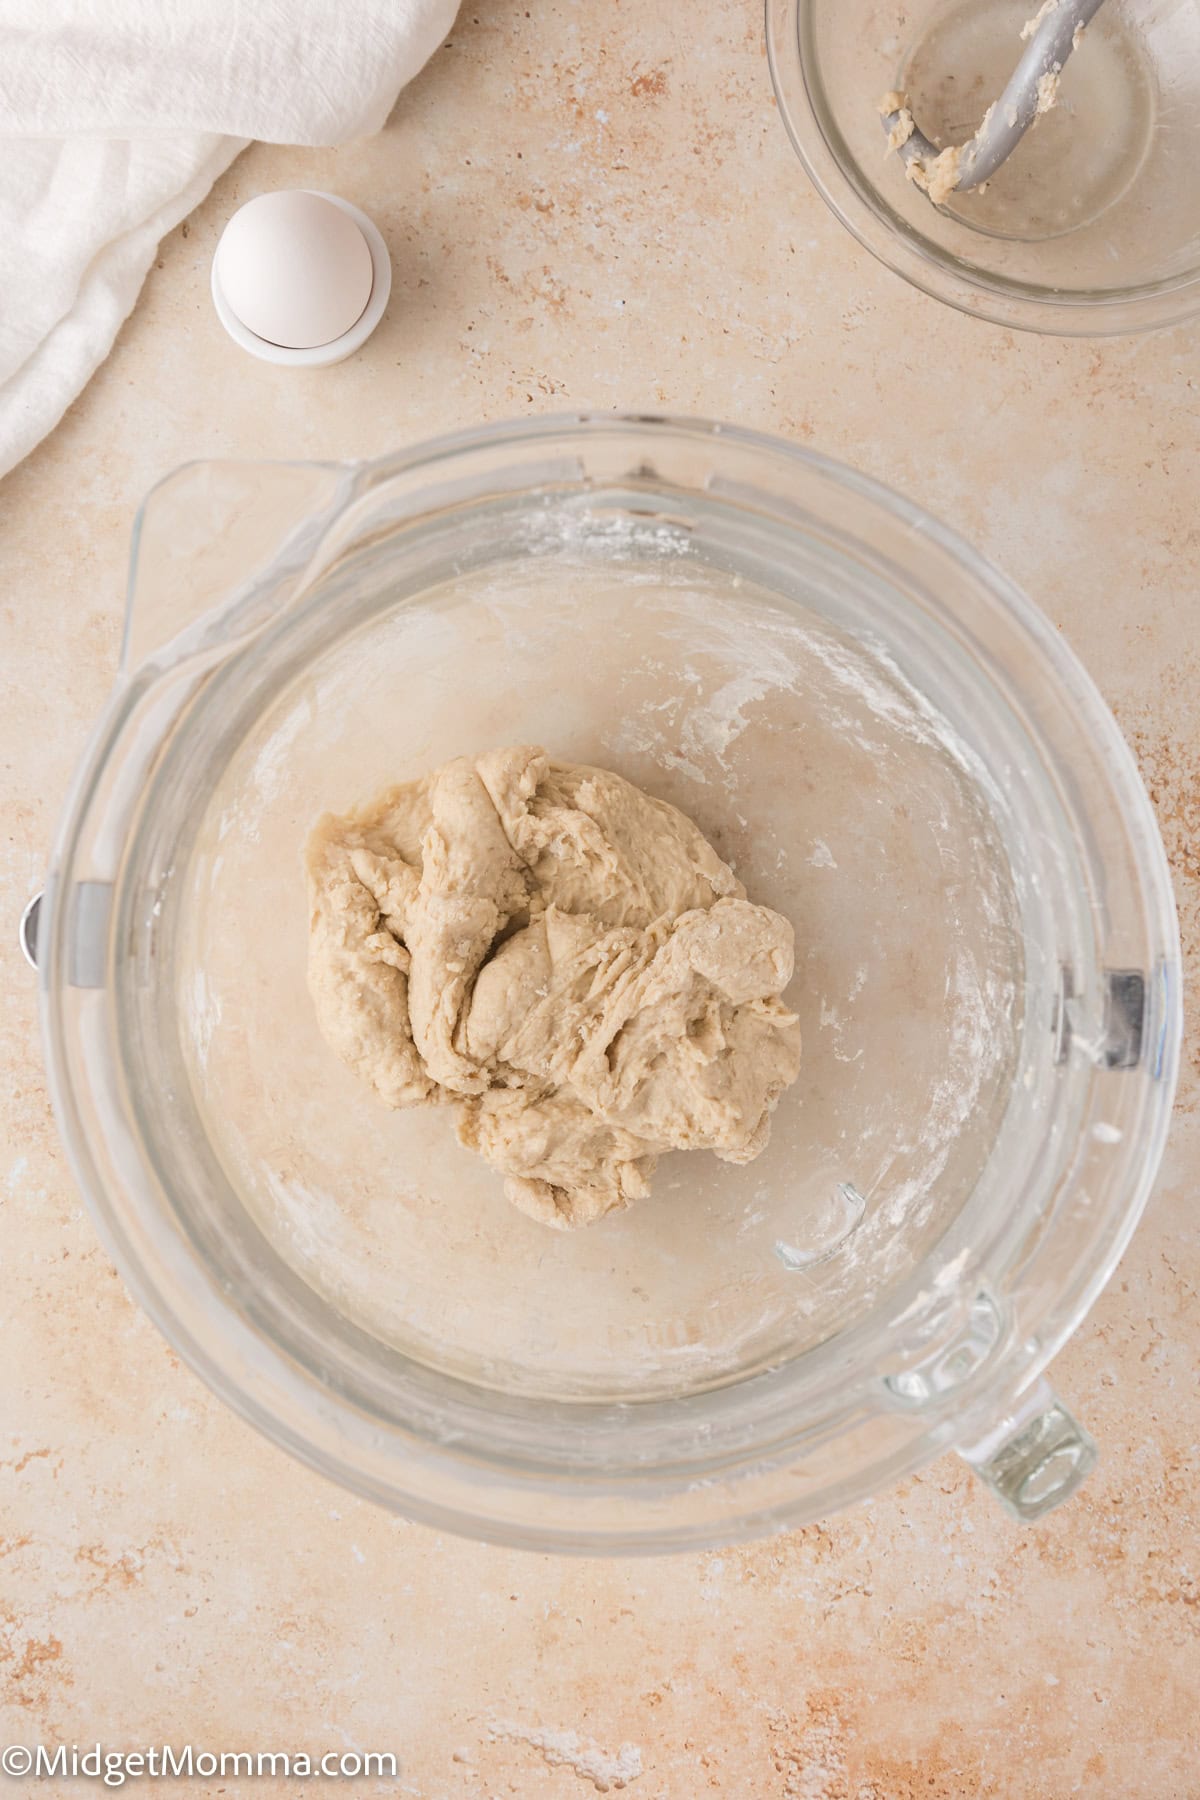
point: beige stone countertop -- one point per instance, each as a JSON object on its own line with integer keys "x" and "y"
{"x": 592, "y": 204}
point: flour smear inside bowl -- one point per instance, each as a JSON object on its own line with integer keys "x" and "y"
{"x": 840, "y": 799}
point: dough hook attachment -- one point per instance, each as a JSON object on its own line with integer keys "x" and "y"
{"x": 1053, "y": 33}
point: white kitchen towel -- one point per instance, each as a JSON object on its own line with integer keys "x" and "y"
{"x": 116, "y": 116}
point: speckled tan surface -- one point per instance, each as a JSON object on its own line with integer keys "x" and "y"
{"x": 594, "y": 204}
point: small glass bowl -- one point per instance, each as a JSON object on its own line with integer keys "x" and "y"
{"x": 1091, "y": 228}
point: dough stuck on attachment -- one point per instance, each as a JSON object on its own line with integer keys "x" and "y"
{"x": 565, "y": 960}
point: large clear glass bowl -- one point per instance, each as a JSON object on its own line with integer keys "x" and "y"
{"x": 1091, "y": 227}
{"x": 892, "y": 747}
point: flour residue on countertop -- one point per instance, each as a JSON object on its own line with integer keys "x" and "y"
{"x": 604, "y": 1769}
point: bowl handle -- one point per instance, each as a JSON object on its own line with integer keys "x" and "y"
{"x": 1035, "y": 1457}
{"x": 219, "y": 546}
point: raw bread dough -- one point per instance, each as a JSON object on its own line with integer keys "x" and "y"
{"x": 937, "y": 178}
{"x": 563, "y": 958}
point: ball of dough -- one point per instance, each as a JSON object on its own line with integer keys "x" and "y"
{"x": 565, "y": 960}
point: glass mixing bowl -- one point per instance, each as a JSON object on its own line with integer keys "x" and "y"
{"x": 1092, "y": 226}
{"x": 891, "y": 746}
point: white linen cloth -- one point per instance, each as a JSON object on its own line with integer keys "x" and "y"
{"x": 116, "y": 116}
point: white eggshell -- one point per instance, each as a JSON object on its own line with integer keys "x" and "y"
{"x": 294, "y": 268}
